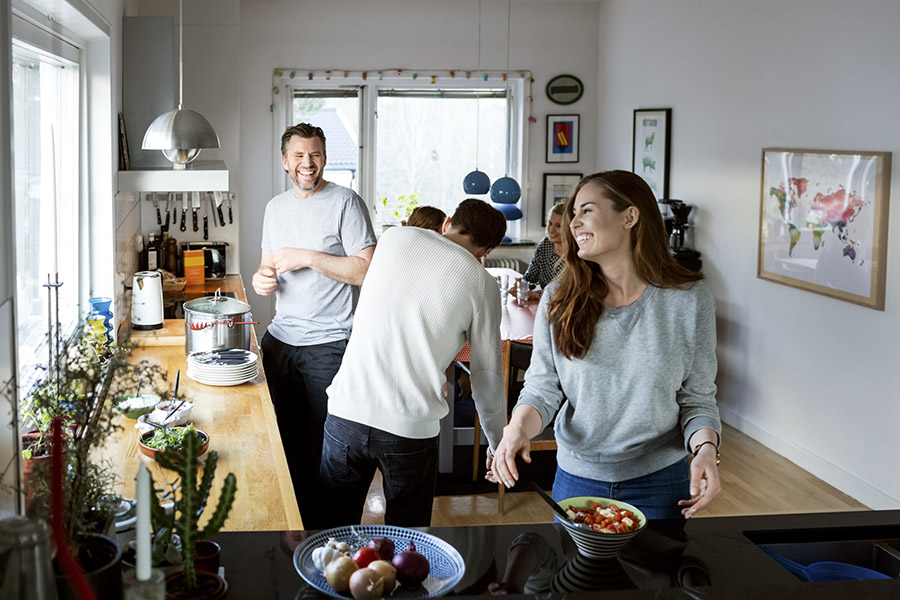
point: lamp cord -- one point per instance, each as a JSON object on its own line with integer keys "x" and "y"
{"x": 478, "y": 92}
{"x": 180, "y": 53}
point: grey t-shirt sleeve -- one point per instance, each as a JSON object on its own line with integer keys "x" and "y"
{"x": 356, "y": 226}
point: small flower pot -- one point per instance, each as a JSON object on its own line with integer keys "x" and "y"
{"x": 208, "y": 553}
{"x": 209, "y": 587}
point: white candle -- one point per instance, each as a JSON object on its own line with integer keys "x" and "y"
{"x": 143, "y": 523}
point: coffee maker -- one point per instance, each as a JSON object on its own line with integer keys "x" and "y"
{"x": 676, "y": 227}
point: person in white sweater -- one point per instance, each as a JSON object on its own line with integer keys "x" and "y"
{"x": 425, "y": 295}
{"x": 625, "y": 351}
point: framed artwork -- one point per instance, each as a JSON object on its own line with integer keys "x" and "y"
{"x": 650, "y": 148}
{"x": 562, "y": 138}
{"x": 557, "y": 188}
{"x": 823, "y": 222}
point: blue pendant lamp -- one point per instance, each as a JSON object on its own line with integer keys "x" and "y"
{"x": 477, "y": 182}
{"x": 505, "y": 191}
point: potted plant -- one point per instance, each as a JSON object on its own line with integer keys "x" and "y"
{"x": 83, "y": 374}
{"x": 403, "y": 206}
{"x": 189, "y": 497}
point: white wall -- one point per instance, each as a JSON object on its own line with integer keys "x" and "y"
{"x": 549, "y": 38}
{"x": 814, "y": 378}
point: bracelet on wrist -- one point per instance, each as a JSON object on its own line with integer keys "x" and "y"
{"x": 701, "y": 444}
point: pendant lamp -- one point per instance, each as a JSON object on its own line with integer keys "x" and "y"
{"x": 477, "y": 182}
{"x": 180, "y": 133}
{"x": 505, "y": 191}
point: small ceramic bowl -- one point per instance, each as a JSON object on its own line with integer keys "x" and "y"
{"x": 594, "y": 544}
{"x": 134, "y": 406}
{"x": 151, "y": 452}
{"x": 181, "y": 416}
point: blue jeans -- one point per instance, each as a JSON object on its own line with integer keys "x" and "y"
{"x": 298, "y": 377}
{"x": 350, "y": 455}
{"x": 656, "y": 494}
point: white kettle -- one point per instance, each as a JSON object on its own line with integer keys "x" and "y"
{"x": 147, "y": 301}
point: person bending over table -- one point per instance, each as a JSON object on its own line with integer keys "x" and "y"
{"x": 625, "y": 342}
{"x": 424, "y": 296}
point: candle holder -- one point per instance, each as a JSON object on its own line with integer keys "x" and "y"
{"x": 153, "y": 588}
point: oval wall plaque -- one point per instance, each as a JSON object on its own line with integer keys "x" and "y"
{"x": 565, "y": 89}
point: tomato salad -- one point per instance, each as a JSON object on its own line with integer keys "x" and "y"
{"x": 608, "y": 519}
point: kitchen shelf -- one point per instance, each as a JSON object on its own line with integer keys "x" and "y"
{"x": 200, "y": 176}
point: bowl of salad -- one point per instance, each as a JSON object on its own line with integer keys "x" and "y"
{"x": 157, "y": 440}
{"x": 601, "y": 526}
{"x": 134, "y": 406}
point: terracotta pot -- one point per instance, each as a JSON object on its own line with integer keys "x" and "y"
{"x": 30, "y": 464}
{"x": 209, "y": 587}
{"x": 208, "y": 553}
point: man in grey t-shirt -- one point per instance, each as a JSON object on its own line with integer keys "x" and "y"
{"x": 317, "y": 243}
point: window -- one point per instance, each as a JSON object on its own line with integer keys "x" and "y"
{"x": 45, "y": 106}
{"x": 399, "y": 138}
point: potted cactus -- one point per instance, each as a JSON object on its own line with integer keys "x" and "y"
{"x": 189, "y": 496}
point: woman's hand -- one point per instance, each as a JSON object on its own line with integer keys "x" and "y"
{"x": 705, "y": 484}
{"x": 502, "y": 465}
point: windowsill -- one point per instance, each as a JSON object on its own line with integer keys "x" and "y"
{"x": 517, "y": 242}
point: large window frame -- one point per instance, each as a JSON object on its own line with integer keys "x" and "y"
{"x": 289, "y": 81}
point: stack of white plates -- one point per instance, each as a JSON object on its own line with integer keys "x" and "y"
{"x": 226, "y": 366}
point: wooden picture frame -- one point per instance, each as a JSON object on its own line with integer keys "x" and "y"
{"x": 823, "y": 222}
{"x": 650, "y": 148}
{"x": 557, "y": 188}
{"x": 563, "y": 138}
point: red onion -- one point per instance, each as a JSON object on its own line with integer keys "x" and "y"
{"x": 412, "y": 567}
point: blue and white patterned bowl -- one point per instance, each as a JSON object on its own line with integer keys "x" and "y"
{"x": 594, "y": 544}
{"x": 447, "y": 567}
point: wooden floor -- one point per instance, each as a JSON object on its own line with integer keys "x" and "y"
{"x": 755, "y": 480}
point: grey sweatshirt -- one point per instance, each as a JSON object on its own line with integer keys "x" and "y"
{"x": 647, "y": 383}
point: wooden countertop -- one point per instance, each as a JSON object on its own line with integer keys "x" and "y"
{"x": 240, "y": 421}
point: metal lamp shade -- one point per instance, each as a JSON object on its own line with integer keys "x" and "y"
{"x": 510, "y": 211}
{"x": 506, "y": 190}
{"x": 477, "y": 182}
{"x": 180, "y": 134}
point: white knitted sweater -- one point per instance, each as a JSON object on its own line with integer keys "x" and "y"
{"x": 423, "y": 297}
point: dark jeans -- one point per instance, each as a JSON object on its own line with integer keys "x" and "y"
{"x": 350, "y": 455}
{"x": 298, "y": 377}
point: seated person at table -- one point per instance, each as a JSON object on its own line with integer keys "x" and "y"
{"x": 425, "y": 295}
{"x": 548, "y": 261}
{"x": 427, "y": 217}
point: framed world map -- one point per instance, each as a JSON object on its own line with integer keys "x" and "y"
{"x": 823, "y": 222}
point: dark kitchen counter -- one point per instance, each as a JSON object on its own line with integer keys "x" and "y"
{"x": 723, "y": 550}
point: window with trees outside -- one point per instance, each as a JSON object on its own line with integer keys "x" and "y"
{"x": 402, "y": 141}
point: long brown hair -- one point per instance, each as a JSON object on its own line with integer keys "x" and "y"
{"x": 577, "y": 304}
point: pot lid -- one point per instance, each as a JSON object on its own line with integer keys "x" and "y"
{"x": 217, "y": 305}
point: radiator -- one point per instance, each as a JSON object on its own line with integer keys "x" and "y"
{"x": 505, "y": 263}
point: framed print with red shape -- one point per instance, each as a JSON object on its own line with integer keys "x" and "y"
{"x": 563, "y": 138}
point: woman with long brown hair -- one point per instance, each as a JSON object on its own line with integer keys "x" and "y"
{"x": 624, "y": 350}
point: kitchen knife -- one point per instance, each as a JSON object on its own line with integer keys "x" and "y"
{"x": 212, "y": 209}
{"x": 205, "y": 221}
{"x": 184, "y": 203}
{"x": 218, "y": 198}
{"x": 155, "y": 201}
{"x": 168, "y": 208}
{"x": 230, "y": 198}
{"x": 195, "y": 204}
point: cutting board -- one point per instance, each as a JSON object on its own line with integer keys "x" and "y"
{"x": 171, "y": 334}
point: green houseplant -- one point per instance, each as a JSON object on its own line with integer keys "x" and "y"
{"x": 189, "y": 496}
{"x": 403, "y": 206}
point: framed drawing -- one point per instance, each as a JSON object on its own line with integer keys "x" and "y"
{"x": 557, "y": 188}
{"x": 823, "y": 222}
{"x": 650, "y": 148}
{"x": 562, "y": 138}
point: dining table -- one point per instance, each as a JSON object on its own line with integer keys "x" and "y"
{"x": 516, "y": 324}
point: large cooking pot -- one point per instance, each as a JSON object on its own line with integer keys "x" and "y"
{"x": 214, "y": 322}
